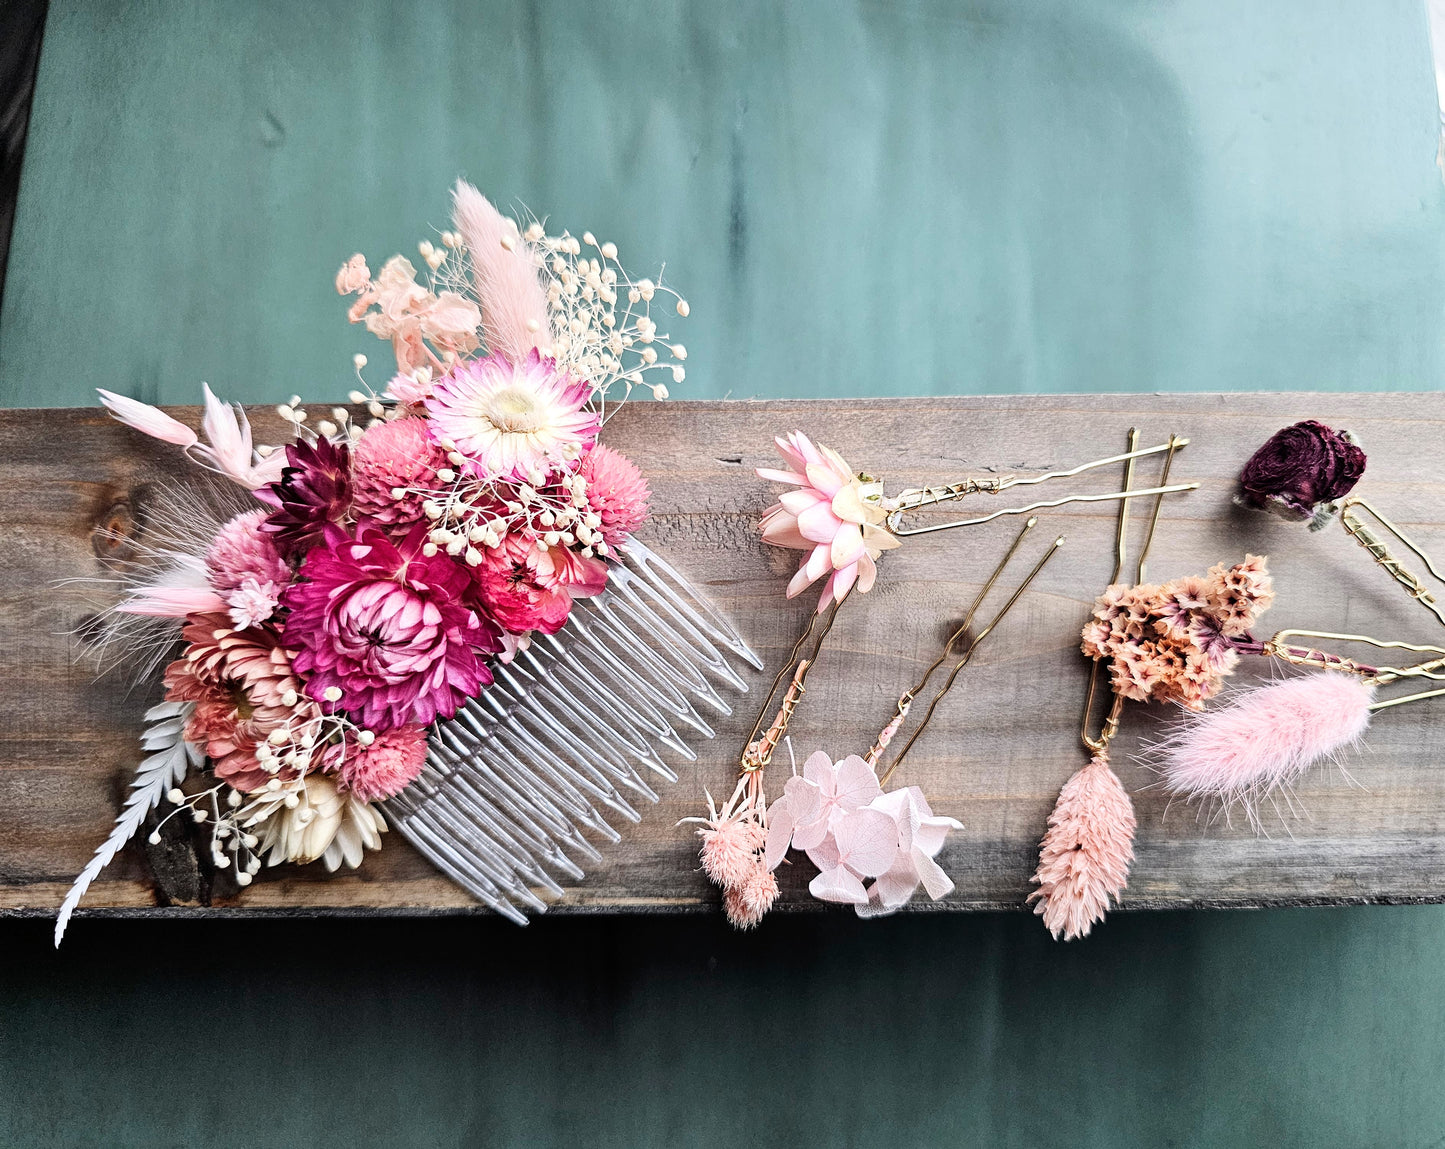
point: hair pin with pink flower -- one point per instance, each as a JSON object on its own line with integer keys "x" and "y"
{"x": 429, "y": 609}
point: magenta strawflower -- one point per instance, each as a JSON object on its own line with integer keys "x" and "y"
{"x": 381, "y": 630}
{"x": 616, "y": 492}
{"x": 391, "y": 457}
{"x": 513, "y": 420}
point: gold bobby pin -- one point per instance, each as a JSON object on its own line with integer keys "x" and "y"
{"x": 906, "y": 701}
{"x": 1368, "y": 538}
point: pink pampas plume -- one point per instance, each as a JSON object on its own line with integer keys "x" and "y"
{"x": 514, "y": 306}
{"x": 1085, "y": 855}
{"x": 1264, "y": 739}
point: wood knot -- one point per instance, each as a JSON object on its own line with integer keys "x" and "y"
{"x": 114, "y": 535}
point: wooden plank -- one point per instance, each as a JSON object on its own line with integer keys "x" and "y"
{"x": 1000, "y": 747}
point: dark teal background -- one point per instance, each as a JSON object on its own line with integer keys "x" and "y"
{"x": 857, "y": 199}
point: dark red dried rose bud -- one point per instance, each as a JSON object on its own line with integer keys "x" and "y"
{"x": 1301, "y": 470}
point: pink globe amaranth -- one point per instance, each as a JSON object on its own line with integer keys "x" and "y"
{"x": 616, "y": 492}
{"x": 392, "y": 455}
{"x": 525, "y": 585}
{"x": 388, "y": 627}
{"x": 382, "y": 770}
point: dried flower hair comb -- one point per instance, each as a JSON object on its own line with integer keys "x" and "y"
{"x": 1251, "y": 750}
{"x": 442, "y": 614}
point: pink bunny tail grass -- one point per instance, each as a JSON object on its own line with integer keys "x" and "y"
{"x": 1085, "y": 855}
{"x": 1266, "y": 738}
{"x": 514, "y": 306}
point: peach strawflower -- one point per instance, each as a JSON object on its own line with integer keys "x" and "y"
{"x": 835, "y": 515}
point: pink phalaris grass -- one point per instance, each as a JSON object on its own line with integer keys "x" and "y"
{"x": 1085, "y": 855}
{"x": 1264, "y": 739}
{"x": 504, "y": 276}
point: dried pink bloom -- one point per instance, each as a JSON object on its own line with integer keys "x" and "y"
{"x": 513, "y": 420}
{"x": 246, "y": 569}
{"x": 384, "y": 768}
{"x": 526, "y": 585}
{"x": 1085, "y": 855}
{"x": 389, "y": 457}
{"x": 240, "y": 681}
{"x": 312, "y": 495}
{"x": 616, "y": 492}
{"x": 354, "y": 276}
{"x": 835, "y": 515}
{"x": 746, "y": 902}
{"x": 1238, "y": 595}
{"x": 385, "y": 625}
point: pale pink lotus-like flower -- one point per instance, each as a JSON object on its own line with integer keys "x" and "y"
{"x": 513, "y": 420}
{"x": 835, "y": 515}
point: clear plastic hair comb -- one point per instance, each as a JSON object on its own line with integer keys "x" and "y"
{"x": 568, "y": 733}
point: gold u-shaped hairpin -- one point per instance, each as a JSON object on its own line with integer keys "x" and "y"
{"x": 1368, "y": 536}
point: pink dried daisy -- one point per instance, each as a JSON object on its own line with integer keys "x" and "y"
{"x": 383, "y": 769}
{"x": 513, "y": 420}
{"x": 391, "y": 457}
{"x": 616, "y": 492}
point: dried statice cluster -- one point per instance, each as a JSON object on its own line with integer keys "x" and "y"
{"x": 379, "y": 570}
{"x": 1176, "y": 641}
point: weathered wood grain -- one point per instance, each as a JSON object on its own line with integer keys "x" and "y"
{"x": 997, "y": 752}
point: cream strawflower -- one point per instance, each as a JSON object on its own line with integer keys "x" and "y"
{"x": 513, "y": 420}
{"x": 324, "y": 823}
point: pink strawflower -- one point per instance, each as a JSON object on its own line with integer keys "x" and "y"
{"x": 240, "y": 681}
{"x": 513, "y": 420}
{"x": 616, "y": 492}
{"x": 385, "y": 624}
{"x": 526, "y": 585}
{"x": 385, "y": 768}
{"x": 835, "y": 516}
{"x": 395, "y": 455}
{"x": 1085, "y": 855}
{"x": 1264, "y": 739}
{"x": 245, "y": 567}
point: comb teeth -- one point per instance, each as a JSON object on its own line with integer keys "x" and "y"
{"x": 561, "y": 738}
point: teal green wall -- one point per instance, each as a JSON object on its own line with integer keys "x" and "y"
{"x": 857, "y": 199}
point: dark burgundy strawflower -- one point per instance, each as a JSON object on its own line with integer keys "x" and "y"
{"x": 313, "y": 493}
{"x": 1301, "y": 471}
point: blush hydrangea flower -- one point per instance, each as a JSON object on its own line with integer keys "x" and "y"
{"x": 513, "y": 420}
{"x": 382, "y": 631}
{"x": 384, "y": 768}
{"x": 616, "y": 492}
{"x": 394, "y": 456}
